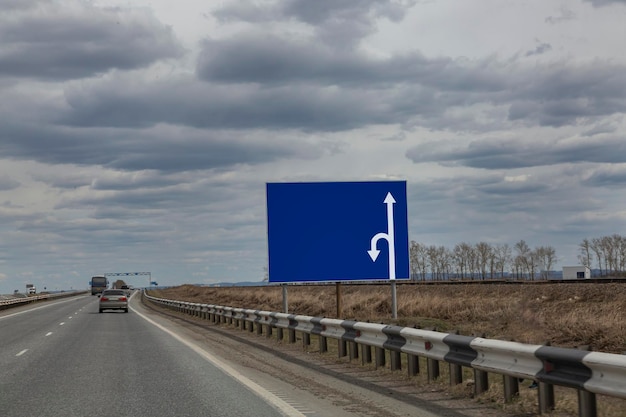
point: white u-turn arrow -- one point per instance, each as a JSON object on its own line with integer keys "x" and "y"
{"x": 389, "y": 237}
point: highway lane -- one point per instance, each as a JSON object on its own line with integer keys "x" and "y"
{"x": 64, "y": 358}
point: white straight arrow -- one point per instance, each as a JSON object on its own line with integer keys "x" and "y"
{"x": 389, "y": 237}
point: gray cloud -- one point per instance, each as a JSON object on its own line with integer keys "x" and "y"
{"x": 601, "y": 3}
{"x": 55, "y": 43}
{"x": 338, "y": 22}
{"x": 162, "y": 149}
{"x": 565, "y": 14}
{"x": 609, "y": 176}
{"x": 8, "y": 183}
{"x": 540, "y": 49}
{"x": 520, "y": 153}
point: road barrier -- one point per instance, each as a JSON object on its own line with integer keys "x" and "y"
{"x": 590, "y": 373}
{"x": 17, "y": 301}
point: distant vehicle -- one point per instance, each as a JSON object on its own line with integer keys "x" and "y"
{"x": 32, "y": 290}
{"x": 113, "y": 300}
{"x": 99, "y": 283}
{"x": 127, "y": 289}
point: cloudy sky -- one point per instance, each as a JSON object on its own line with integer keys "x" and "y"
{"x": 139, "y": 135}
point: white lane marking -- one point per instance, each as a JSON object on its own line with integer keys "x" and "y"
{"x": 22, "y": 352}
{"x": 39, "y": 308}
{"x": 270, "y": 398}
{"x": 48, "y": 334}
{"x": 62, "y": 323}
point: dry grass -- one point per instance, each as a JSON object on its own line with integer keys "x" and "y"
{"x": 566, "y": 315}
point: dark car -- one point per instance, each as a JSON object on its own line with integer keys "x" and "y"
{"x": 113, "y": 300}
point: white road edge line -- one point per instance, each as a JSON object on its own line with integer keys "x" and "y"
{"x": 270, "y": 398}
{"x": 39, "y": 308}
{"x": 22, "y": 352}
{"x": 48, "y": 334}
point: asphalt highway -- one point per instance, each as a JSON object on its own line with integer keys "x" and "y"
{"x": 63, "y": 358}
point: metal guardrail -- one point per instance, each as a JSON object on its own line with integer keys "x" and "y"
{"x": 588, "y": 372}
{"x": 14, "y": 302}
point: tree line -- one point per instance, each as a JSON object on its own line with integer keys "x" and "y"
{"x": 482, "y": 260}
{"x": 607, "y": 254}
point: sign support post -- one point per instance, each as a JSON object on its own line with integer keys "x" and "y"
{"x": 338, "y": 299}
{"x": 394, "y": 300}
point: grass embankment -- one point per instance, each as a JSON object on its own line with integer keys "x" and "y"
{"x": 566, "y": 315}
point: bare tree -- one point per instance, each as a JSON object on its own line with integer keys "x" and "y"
{"x": 419, "y": 260}
{"x": 503, "y": 258}
{"x": 597, "y": 250}
{"x": 609, "y": 251}
{"x": 461, "y": 255}
{"x": 546, "y": 257}
{"x": 585, "y": 253}
{"x": 483, "y": 253}
{"x": 522, "y": 258}
{"x": 444, "y": 258}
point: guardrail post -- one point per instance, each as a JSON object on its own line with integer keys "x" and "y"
{"x": 306, "y": 339}
{"x": 511, "y": 388}
{"x": 323, "y": 343}
{"x": 456, "y": 374}
{"x": 396, "y": 360}
{"x": 545, "y": 392}
{"x": 292, "y": 336}
{"x": 413, "y": 364}
{"x": 342, "y": 348}
{"x": 279, "y": 333}
{"x": 587, "y": 406}
{"x": 380, "y": 357}
{"x": 251, "y": 325}
{"x": 259, "y": 328}
{"x": 366, "y": 354}
{"x": 354, "y": 350}
{"x": 546, "y": 397}
{"x": 481, "y": 378}
{"x": 456, "y": 371}
{"x": 481, "y": 382}
{"x": 268, "y": 330}
{"x": 432, "y": 368}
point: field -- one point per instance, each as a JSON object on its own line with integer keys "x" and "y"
{"x": 563, "y": 314}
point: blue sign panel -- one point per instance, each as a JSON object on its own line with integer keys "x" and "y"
{"x": 337, "y": 231}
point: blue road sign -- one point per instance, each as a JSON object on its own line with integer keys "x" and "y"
{"x": 337, "y": 231}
